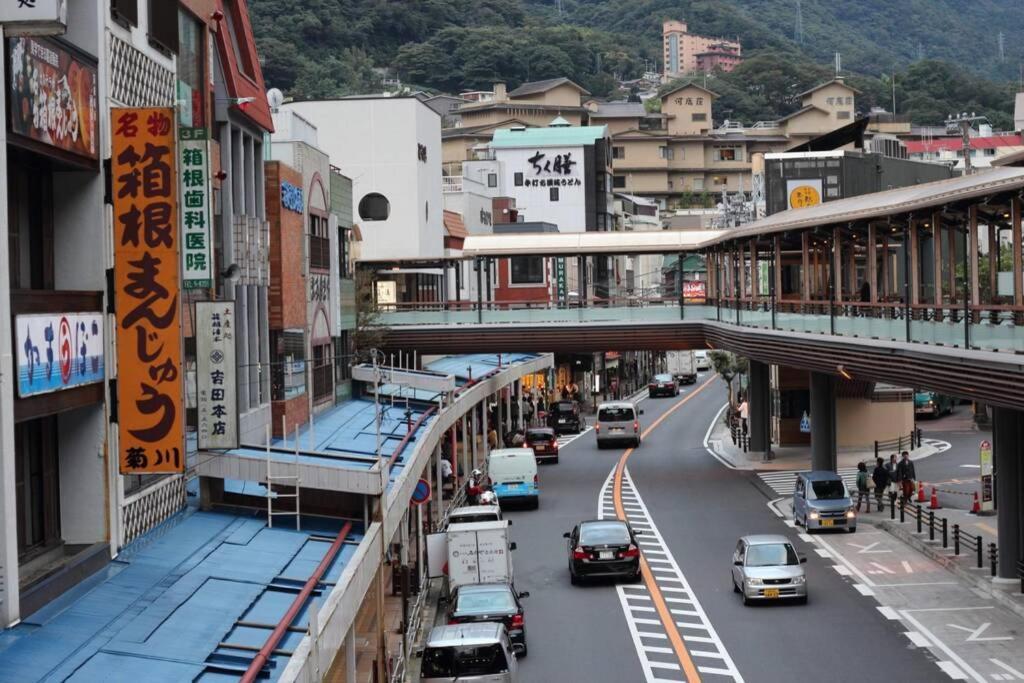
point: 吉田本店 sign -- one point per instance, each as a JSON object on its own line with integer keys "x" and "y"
{"x": 195, "y": 209}
{"x": 216, "y": 391}
{"x": 53, "y": 96}
{"x": 57, "y": 351}
{"x": 149, "y": 385}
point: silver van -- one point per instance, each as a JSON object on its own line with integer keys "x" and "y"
{"x": 479, "y": 651}
{"x": 822, "y": 501}
{"x": 618, "y": 422}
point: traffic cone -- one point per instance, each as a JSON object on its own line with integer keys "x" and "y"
{"x": 976, "y": 506}
{"x": 933, "y": 504}
{"x": 920, "y": 492}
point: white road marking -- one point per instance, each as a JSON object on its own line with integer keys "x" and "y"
{"x": 863, "y": 590}
{"x": 1013, "y": 673}
{"x": 952, "y": 670}
{"x": 806, "y": 538}
{"x": 823, "y": 553}
{"x": 564, "y": 440}
{"x": 888, "y": 612}
{"x": 784, "y": 481}
{"x": 972, "y": 467}
{"x": 975, "y": 634}
{"x": 916, "y": 638}
{"x": 964, "y": 667}
{"x": 665, "y": 570}
{"x": 882, "y": 569}
{"x": 869, "y": 549}
{"x": 907, "y": 568}
{"x": 841, "y": 570}
{"x": 659, "y": 650}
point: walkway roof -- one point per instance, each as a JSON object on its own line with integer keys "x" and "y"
{"x": 925, "y": 196}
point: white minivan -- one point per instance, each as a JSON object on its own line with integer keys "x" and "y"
{"x": 513, "y": 475}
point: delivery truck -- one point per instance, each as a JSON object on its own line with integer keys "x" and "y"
{"x": 682, "y": 365}
{"x": 472, "y": 553}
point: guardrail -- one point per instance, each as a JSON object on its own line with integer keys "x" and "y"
{"x": 975, "y": 545}
{"x": 902, "y": 442}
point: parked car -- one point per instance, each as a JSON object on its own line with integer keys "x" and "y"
{"x": 618, "y": 422}
{"x": 768, "y": 567}
{"x": 931, "y": 403}
{"x": 662, "y": 385}
{"x": 491, "y": 602}
{"x": 469, "y": 652}
{"x": 603, "y": 547}
{"x": 544, "y": 443}
{"x": 822, "y": 501}
{"x": 564, "y": 417}
{"x": 513, "y": 474}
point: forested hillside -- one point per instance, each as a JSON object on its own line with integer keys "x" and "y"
{"x": 944, "y": 58}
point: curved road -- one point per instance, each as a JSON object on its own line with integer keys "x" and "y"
{"x": 699, "y": 508}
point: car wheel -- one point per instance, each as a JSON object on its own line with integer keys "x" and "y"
{"x": 636, "y": 444}
{"x": 650, "y": 394}
{"x": 556, "y": 460}
{"x": 573, "y": 579}
{"x": 745, "y": 599}
{"x": 801, "y": 600}
{"x": 852, "y": 530}
{"x": 735, "y": 588}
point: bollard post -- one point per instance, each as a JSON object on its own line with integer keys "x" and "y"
{"x": 992, "y": 554}
{"x": 917, "y": 511}
{"x": 931, "y": 525}
{"x": 956, "y": 539}
{"x": 945, "y": 535}
{"x": 903, "y": 511}
{"x": 981, "y": 544}
{"x": 892, "y": 505}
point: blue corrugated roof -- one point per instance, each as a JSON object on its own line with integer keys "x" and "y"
{"x": 557, "y": 136}
{"x": 160, "y": 611}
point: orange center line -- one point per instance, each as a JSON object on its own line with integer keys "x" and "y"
{"x": 685, "y": 661}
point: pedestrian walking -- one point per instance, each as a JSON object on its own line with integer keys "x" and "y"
{"x": 744, "y": 414}
{"x": 863, "y": 492}
{"x": 880, "y": 478}
{"x": 907, "y": 476}
{"x": 894, "y": 487}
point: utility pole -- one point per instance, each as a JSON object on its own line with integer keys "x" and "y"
{"x": 964, "y": 122}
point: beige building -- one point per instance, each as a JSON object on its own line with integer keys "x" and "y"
{"x": 537, "y": 103}
{"x": 679, "y": 153}
{"x": 686, "y": 53}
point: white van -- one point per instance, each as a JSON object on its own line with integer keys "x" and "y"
{"x": 513, "y": 475}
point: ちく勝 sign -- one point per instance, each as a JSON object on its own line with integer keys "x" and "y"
{"x": 216, "y": 391}
{"x": 150, "y": 391}
{"x": 197, "y": 263}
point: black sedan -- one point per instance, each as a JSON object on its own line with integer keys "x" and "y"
{"x": 564, "y": 417}
{"x": 603, "y": 547}
{"x": 662, "y": 385}
{"x": 490, "y": 602}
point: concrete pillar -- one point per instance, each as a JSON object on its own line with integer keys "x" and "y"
{"x": 823, "y": 422}
{"x": 759, "y": 404}
{"x": 1007, "y": 447}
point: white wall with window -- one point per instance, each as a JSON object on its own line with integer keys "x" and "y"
{"x": 548, "y": 184}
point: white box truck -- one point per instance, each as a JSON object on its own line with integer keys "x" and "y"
{"x": 472, "y": 553}
{"x": 682, "y": 365}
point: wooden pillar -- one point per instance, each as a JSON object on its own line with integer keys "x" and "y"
{"x": 972, "y": 258}
{"x": 936, "y": 222}
{"x": 871, "y": 270}
{"x": 951, "y": 252}
{"x": 777, "y": 256}
{"x": 837, "y": 257}
{"x": 742, "y": 256}
{"x": 805, "y": 267}
{"x": 1018, "y": 266}
{"x": 915, "y": 279}
{"x": 754, "y": 271}
{"x": 993, "y": 260}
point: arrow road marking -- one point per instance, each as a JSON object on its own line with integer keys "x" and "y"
{"x": 976, "y": 633}
{"x": 868, "y": 549}
{"x": 882, "y": 569}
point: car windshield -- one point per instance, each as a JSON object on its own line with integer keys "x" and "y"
{"x": 467, "y": 660}
{"x": 615, "y": 414}
{"x": 485, "y": 602}
{"x": 663, "y": 378}
{"x": 562, "y": 407}
{"x": 603, "y": 533}
{"x": 771, "y": 555}
{"x": 829, "y": 489}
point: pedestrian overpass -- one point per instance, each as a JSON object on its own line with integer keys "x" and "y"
{"x": 921, "y": 286}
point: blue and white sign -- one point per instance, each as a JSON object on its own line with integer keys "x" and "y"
{"x": 57, "y": 351}
{"x": 805, "y": 423}
{"x": 421, "y": 494}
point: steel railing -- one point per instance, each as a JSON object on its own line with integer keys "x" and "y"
{"x": 975, "y": 545}
{"x": 900, "y": 443}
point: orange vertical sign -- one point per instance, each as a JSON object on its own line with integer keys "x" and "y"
{"x": 150, "y": 405}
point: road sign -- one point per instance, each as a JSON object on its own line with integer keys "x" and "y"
{"x": 420, "y": 494}
{"x": 805, "y": 423}
{"x": 987, "y": 485}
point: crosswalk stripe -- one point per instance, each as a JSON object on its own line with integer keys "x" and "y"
{"x": 783, "y": 482}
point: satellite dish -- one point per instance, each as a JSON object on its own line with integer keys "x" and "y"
{"x": 276, "y": 98}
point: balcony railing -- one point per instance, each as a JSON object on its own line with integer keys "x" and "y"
{"x": 451, "y": 184}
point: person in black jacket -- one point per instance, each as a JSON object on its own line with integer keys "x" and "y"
{"x": 906, "y": 476}
{"x": 880, "y": 476}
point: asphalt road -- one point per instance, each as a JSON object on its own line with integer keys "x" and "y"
{"x": 700, "y": 508}
{"x": 957, "y": 468}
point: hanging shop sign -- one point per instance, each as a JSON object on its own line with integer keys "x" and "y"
{"x": 694, "y": 291}
{"x": 53, "y": 96}
{"x": 803, "y": 193}
{"x": 216, "y": 390}
{"x": 58, "y": 351}
{"x": 197, "y": 261}
{"x": 560, "y": 277}
{"x": 291, "y": 197}
{"x": 34, "y": 17}
{"x": 987, "y": 479}
{"x": 149, "y": 385}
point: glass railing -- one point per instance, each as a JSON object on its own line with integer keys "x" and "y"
{"x": 986, "y": 327}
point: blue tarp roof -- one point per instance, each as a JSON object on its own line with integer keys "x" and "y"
{"x": 161, "y": 609}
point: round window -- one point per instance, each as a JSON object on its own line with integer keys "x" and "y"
{"x": 374, "y": 207}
